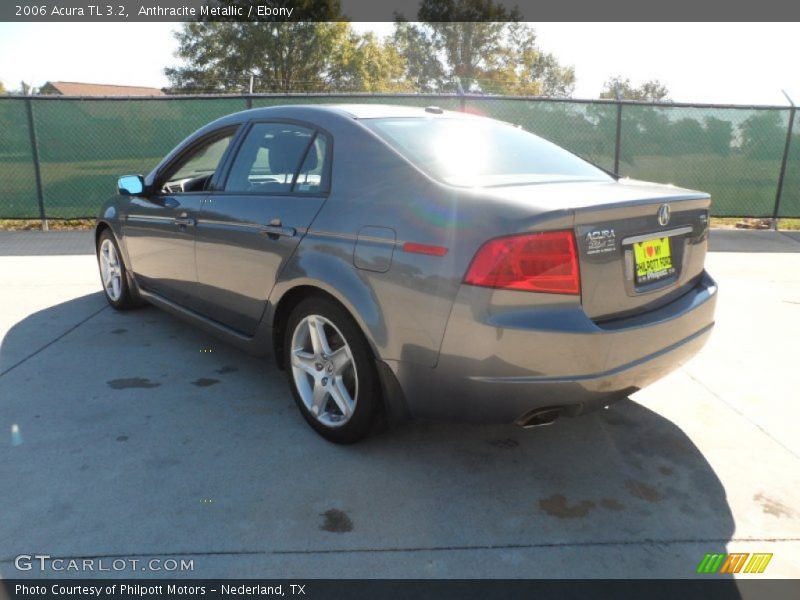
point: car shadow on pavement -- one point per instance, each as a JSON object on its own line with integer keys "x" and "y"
{"x": 135, "y": 434}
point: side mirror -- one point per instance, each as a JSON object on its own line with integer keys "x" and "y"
{"x": 130, "y": 185}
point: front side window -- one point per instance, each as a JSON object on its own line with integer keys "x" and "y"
{"x": 194, "y": 173}
{"x": 473, "y": 152}
{"x": 279, "y": 158}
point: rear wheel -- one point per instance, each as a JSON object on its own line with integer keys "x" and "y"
{"x": 331, "y": 371}
{"x": 113, "y": 274}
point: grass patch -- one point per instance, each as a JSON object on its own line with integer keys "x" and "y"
{"x": 53, "y": 225}
{"x": 730, "y": 223}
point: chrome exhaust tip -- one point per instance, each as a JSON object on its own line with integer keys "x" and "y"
{"x": 539, "y": 417}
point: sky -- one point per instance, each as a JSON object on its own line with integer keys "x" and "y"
{"x": 737, "y": 63}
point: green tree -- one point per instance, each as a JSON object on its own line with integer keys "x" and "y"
{"x": 720, "y": 135}
{"x": 367, "y": 64}
{"x": 649, "y": 91}
{"x": 763, "y": 135}
{"x": 480, "y": 46}
{"x": 520, "y": 67}
{"x": 424, "y": 69}
{"x": 686, "y": 136}
{"x": 282, "y": 56}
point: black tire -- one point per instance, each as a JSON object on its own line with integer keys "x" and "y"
{"x": 368, "y": 391}
{"x": 128, "y": 298}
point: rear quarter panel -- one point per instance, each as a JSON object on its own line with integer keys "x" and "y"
{"x": 404, "y": 309}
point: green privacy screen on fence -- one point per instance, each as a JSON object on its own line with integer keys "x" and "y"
{"x": 85, "y": 144}
{"x": 734, "y": 153}
{"x": 18, "y": 196}
{"x": 790, "y": 197}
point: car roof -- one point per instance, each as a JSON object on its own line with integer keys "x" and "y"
{"x": 384, "y": 111}
{"x": 324, "y": 114}
{"x": 350, "y": 111}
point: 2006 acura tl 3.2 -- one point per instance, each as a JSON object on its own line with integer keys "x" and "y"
{"x": 415, "y": 262}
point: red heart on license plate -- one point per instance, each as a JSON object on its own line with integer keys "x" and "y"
{"x": 649, "y": 251}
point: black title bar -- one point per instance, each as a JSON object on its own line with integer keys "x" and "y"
{"x": 706, "y": 587}
{"x": 389, "y": 10}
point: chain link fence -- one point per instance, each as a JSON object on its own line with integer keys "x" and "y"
{"x": 60, "y": 157}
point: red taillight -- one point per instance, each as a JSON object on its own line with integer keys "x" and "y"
{"x": 534, "y": 262}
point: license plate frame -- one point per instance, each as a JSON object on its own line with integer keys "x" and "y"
{"x": 653, "y": 260}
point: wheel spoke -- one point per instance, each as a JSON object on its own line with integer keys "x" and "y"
{"x": 319, "y": 339}
{"x": 320, "y": 398}
{"x": 341, "y": 397}
{"x": 341, "y": 359}
{"x": 305, "y": 361}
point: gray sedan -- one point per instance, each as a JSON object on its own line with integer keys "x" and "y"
{"x": 414, "y": 262}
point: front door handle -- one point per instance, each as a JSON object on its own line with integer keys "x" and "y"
{"x": 275, "y": 229}
{"x": 183, "y": 221}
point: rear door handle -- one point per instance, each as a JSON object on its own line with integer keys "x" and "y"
{"x": 275, "y": 229}
{"x": 183, "y": 221}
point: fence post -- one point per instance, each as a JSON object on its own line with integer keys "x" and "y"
{"x": 618, "y": 96}
{"x": 618, "y": 138}
{"x": 36, "y": 167}
{"x": 786, "y": 148}
{"x": 248, "y": 102}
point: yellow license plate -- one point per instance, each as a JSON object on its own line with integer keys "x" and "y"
{"x": 653, "y": 260}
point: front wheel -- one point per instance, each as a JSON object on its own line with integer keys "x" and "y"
{"x": 331, "y": 371}
{"x": 113, "y": 274}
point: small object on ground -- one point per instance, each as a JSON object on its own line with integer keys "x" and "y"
{"x": 754, "y": 224}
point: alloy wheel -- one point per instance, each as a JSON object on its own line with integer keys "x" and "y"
{"x": 324, "y": 371}
{"x": 110, "y": 270}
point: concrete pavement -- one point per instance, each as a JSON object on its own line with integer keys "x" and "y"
{"x": 134, "y": 435}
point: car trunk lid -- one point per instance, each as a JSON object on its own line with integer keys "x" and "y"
{"x": 641, "y": 254}
{"x": 640, "y": 245}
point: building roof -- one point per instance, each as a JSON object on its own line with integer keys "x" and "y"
{"x": 72, "y": 88}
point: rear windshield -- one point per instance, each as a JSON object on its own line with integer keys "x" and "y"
{"x": 481, "y": 152}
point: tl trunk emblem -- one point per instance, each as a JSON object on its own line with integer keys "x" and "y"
{"x": 601, "y": 241}
{"x": 663, "y": 215}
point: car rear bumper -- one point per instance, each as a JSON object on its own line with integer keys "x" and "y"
{"x": 501, "y": 359}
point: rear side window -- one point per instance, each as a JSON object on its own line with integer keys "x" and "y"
{"x": 481, "y": 152}
{"x": 276, "y": 156}
{"x": 312, "y": 174}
